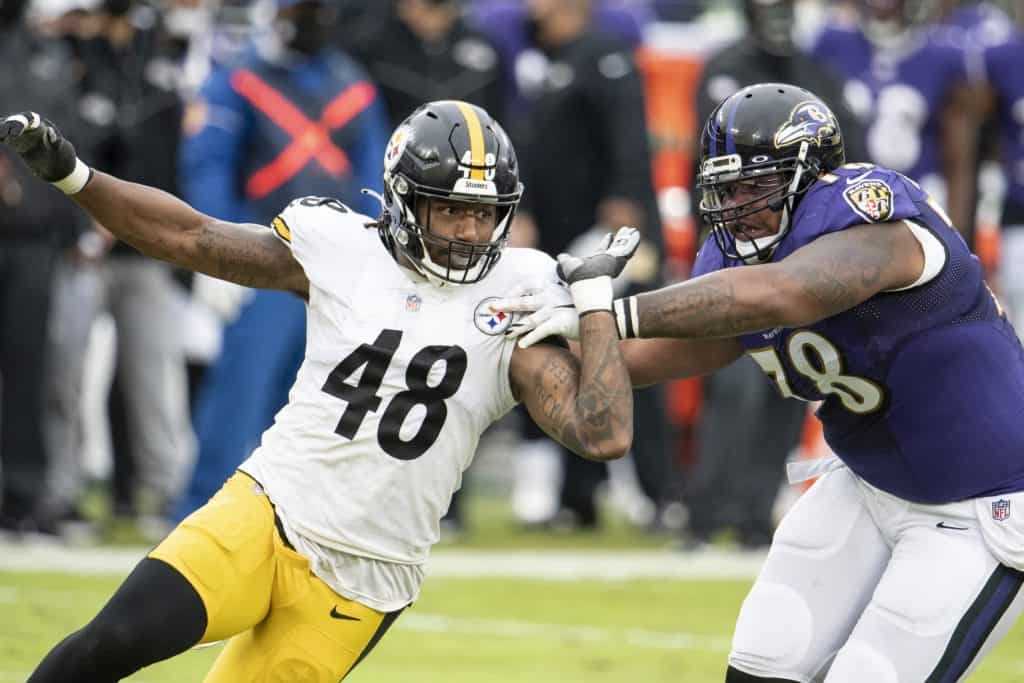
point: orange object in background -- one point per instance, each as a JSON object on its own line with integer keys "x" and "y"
{"x": 670, "y": 80}
{"x": 987, "y": 246}
{"x": 812, "y": 441}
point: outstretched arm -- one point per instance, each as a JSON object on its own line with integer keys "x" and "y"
{"x": 831, "y": 274}
{"x": 690, "y": 328}
{"x": 164, "y": 227}
{"x": 659, "y": 360}
{"x": 154, "y": 221}
{"x": 585, "y": 403}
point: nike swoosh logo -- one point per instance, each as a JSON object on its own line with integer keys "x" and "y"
{"x": 943, "y": 525}
{"x": 862, "y": 176}
{"x": 338, "y": 615}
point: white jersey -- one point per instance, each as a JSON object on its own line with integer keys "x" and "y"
{"x": 400, "y": 379}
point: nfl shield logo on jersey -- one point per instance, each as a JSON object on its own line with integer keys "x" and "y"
{"x": 412, "y": 303}
{"x": 1000, "y": 510}
{"x": 490, "y": 321}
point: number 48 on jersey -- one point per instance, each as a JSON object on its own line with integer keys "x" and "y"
{"x": 375, "y": 358}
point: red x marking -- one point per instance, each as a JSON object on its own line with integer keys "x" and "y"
{"x": 310, "y": 139}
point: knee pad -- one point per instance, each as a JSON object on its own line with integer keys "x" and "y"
{"x": 773, "y": 632}
{"x": 857, "y": 661}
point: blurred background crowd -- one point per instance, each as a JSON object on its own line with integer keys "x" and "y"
{"x": 126, "y": 380}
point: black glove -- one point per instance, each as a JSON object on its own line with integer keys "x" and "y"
{"x": 38, "y": 142}
{"x": 590, "y": 278}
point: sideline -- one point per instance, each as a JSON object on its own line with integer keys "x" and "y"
{"x": 549, "y": 565}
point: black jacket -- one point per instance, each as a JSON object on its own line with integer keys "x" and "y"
{"x": 585, "y": 139}
{"x": 408, "y": 72}
{"x": 37, "y": 77}
{"x": 131, "y": 103}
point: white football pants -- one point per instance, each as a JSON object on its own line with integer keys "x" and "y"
{"x": 860, "y": 585}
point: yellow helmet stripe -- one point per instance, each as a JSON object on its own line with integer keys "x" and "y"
{"x": 476, "y": 140}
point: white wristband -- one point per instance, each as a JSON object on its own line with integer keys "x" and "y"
{"x": 592, "y": 294}
{"x": 627, "y": 317}
{"x": 73, "y": 182}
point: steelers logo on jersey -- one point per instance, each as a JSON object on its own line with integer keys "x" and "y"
{"x": 872, "y": 200}
{"x": 490, "y": 321}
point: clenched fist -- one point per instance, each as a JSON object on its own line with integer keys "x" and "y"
{"x": 47, "y": 153}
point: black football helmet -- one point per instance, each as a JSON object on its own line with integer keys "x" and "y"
{"x": 773, "y": 135}
{"x": 453, "y": 151}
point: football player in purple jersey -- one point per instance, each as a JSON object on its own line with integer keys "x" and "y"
{"x": 912, "y": 85}
{"x": 849, "y": 286}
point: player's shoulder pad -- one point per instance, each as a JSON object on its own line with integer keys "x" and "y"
{"x": 520, "y": 267}
{"x": 519, "y": 264}
{"x": 865, "y": 193}
{"x": 313, "y": 213}
{"x": 851, "y": 195}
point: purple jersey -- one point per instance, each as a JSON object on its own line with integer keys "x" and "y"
{"x": 922, "y": 389}
{"x": 1003, "y": 69}
{"x": 898, "y": 93}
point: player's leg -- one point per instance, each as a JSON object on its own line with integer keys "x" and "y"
{"x": 824, "y": 563}
{"x": 209, "y": 579}
{"x": 155, "y": 614}
{"x": 942, "y": 603}
{"x": 151, "y": 369}
{"x": 311, "y": 633}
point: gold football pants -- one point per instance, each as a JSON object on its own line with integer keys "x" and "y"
{"x": 285, "y": 625}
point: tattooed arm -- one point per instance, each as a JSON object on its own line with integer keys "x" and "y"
{"x": 659, "y": 360}
{"x": 831, "y": 274}
{"x": 164, "y": 227}
{"x": 585, "y": 403}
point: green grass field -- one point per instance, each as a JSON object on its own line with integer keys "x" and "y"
{"x": 481, "y": 630}
{"x": 475, "y": 631}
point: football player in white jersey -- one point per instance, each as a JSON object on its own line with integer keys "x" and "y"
{"x": 311, "y": 550}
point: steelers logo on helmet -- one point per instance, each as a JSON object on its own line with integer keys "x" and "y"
{"x": 809, "y": 122}
{"x": 396, "y": 145}
{"x": 872, "y": 200}
{"x": 490, "y": 321}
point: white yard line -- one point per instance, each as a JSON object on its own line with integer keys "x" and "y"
{"x": 445, "y": 563}
{"x": 513, "y": 628}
